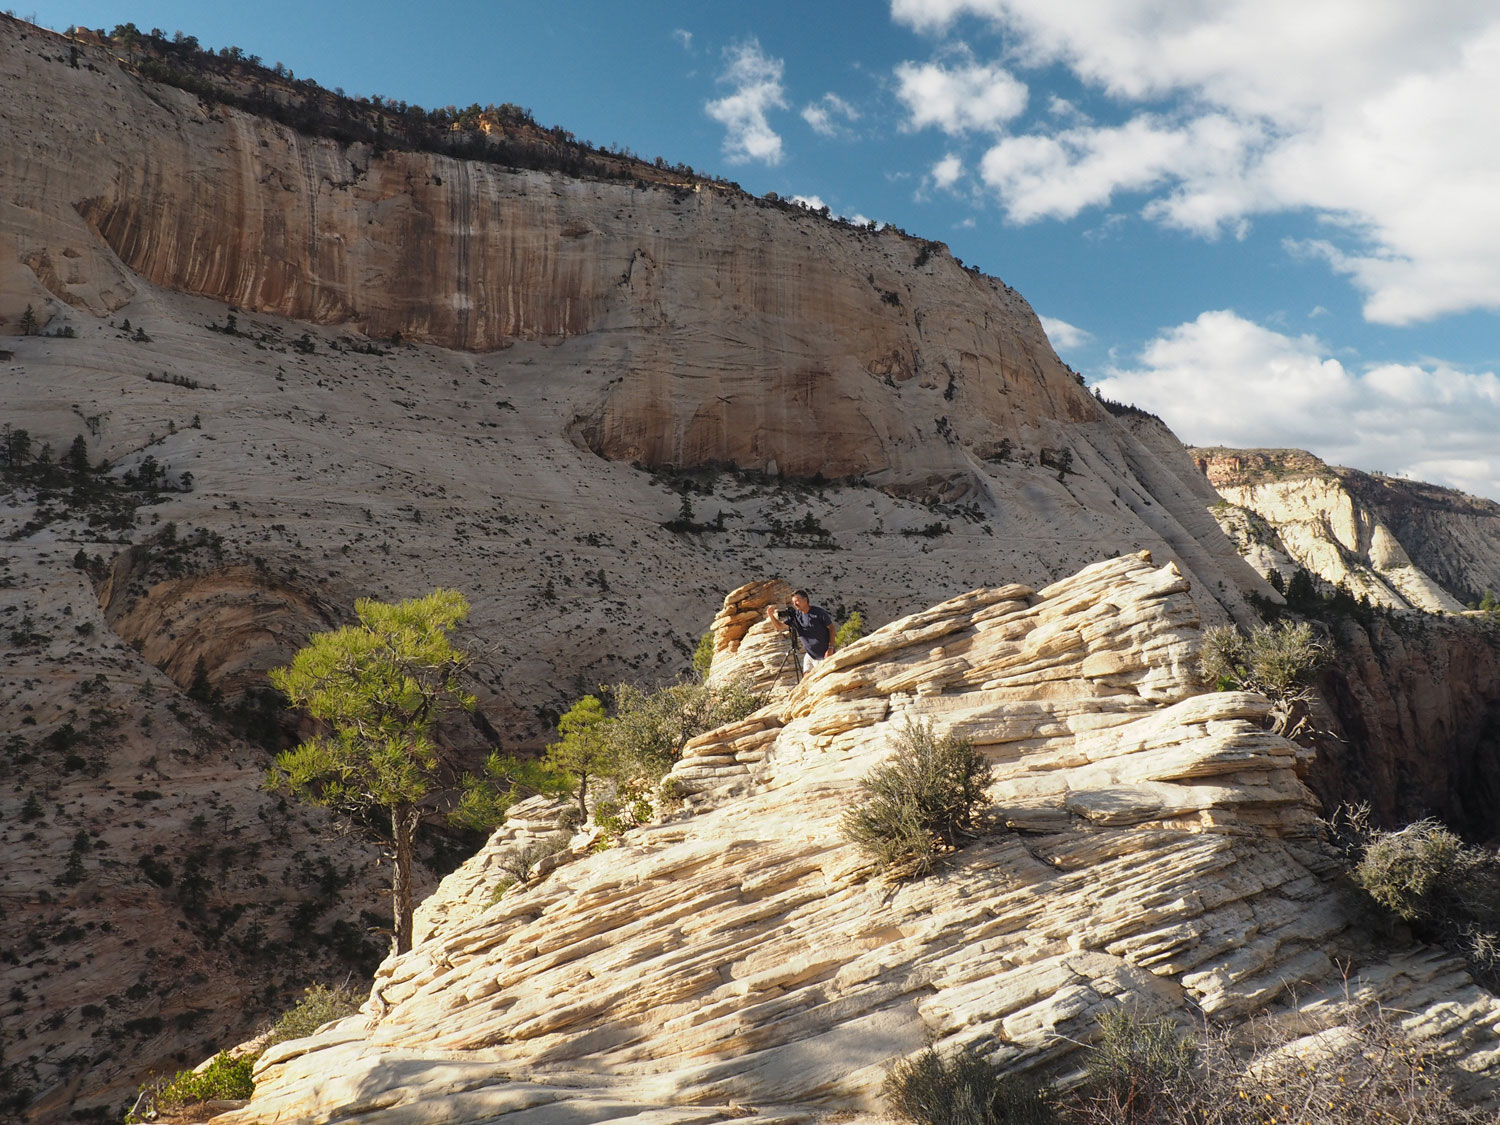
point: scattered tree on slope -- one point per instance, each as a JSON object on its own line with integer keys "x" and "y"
{"x": 376, "y": 687}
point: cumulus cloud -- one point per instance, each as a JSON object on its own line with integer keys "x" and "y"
{"x": 683, "y": 37}
{"x": 959, "y": 99}
{"x": 1225, "y": 380}
{"x": 947, "y": 171}
{"x": 756, "y": 81}
{"x": 1064, "y": 335}
{"x": 1377, "y": 116}
{"x": 830, "y": 115}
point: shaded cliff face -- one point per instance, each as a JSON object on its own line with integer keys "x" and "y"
{"x": 1416, "y": 699}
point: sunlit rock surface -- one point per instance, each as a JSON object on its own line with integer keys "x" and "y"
{"x": 1149, "y": 844}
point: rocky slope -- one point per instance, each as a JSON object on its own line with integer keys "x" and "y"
{"x": 327, "y": 465}
{"x": 1149, "y": 846}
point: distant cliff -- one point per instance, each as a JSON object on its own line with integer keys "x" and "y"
{"x": 1415, "y": 697}
{"x": 1398, "y": 542}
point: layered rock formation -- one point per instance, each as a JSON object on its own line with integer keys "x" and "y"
{"x": 1399, "y": 543}
{"x": 1149, "y": 845}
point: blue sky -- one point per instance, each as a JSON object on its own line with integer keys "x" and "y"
{"x": 1273, "y": 222}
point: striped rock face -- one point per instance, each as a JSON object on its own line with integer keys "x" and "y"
{"x": 1147, "y": 842}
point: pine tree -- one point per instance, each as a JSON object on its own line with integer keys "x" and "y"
{"x": 377, "y": 687}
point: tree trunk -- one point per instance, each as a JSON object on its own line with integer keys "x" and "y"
{"x": 403, "y": 828}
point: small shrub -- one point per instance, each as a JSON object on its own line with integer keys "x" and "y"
{"x": 1279, "y": 661}
{"x": 851, "y": 630}
{"x": 921, "y": 801}
{"x": 520, "y": 863}
{"x": 226, "y": 1078}
{"x": 1137, "y": 1069}
{"x": 319, "y": 1005}
{"x": 962, "y": 1090}
{"x": 703, "y": 655}
{"x": 1368, "y": 1071}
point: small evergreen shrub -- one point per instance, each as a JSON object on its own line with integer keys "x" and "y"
{"x": 963, "y": 1089}
{"x": 703, "y": 655}
{"x": 921, "y": 801}
{"x": 851, "y": 630}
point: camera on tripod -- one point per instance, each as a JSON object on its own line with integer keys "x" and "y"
{"x": 786, "y": 614}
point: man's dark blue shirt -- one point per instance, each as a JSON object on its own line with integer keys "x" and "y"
{"x": 814, "y": 629}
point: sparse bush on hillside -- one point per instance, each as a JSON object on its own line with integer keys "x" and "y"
{"x": 520, "y": 863}
{"x": 962, "y": 1089}
{"x": 610, "y": 765}
{"x": 921, "y": 802}
{"x": 1279, "y": 661}
{"x": 225, "y": 1078}
{"x": 320, "y": 1004}
{"x": 1449, "y": 891}
{"x": 1139, "y": 1070}
{"x": 703, "y": 655}
{"x": 851, "y": 630}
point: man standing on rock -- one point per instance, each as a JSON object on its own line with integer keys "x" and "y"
{"x": 812, "y": 624}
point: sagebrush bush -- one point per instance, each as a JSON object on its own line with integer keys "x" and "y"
{"x": 962, "y": 1089}
{"x": 1138, "y": 1069}
{"x": 1367, "y": 1071}
{"x": 520, "y": 863}
{"x": 319, "y": 1005}
{"x": 921, "y": 801}
{"x": 1277, "y": 660}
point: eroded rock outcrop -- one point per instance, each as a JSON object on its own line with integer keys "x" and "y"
{"x": 1151, "y": 844}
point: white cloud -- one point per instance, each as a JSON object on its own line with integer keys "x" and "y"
{"x": 947, "y": 171}
{"x": 1224, "y": 380}
{"x": 683, "y": 37}
{"x": 829, "y": 115}
{"x": 1376, "y": 115}
{"x": 1064, "y": 335}
{"x": 961, "y": 99}
{"x": 1058, "y": 176}
{"x": 756, "y": 79}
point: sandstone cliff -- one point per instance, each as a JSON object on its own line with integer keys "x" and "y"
{"x": 1149, "y": 845}
{"x": 1400, "y": 543}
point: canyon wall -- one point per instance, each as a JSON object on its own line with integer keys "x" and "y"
{"x": 759, "y": 335}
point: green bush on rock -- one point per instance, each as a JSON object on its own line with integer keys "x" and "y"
{"x": 921, "y": 801}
